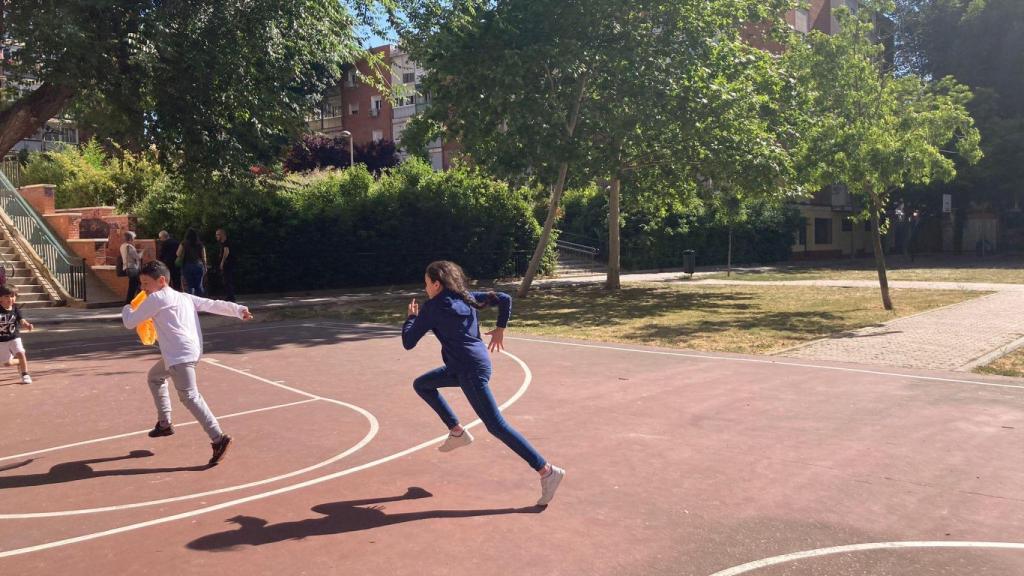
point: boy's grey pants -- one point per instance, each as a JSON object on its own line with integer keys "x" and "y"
{"x": 184, "y": 377}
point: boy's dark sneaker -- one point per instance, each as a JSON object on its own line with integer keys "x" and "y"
{"x": 159, "y": 430}
{"x": 219, "y": 448}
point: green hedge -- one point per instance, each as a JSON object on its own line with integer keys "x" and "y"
{"x": 345, "y": 228}
{"x": 655, "y": 234}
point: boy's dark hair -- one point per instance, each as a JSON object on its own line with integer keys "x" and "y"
{"x": 8, "y": 290}
{"x": 155, "y": 269}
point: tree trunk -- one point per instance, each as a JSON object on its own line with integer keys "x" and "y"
{"x": 556, "y": 195}
{"x": 29, "y": 113}
{"x": 612, "y": 283}
{"x": 728, "y": 258}
{"x": 883, "y": 282}
{"x": 545, "y": 235}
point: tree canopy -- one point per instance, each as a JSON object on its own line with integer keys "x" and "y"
{"x": 215, "y": 85}
{"x": 871, "y": 130}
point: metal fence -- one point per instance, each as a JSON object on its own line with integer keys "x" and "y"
{"x": 65, "y": 268}
{"x": 11, "y": 167}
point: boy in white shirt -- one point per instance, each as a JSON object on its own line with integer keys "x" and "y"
{"x": 176, "y": 317}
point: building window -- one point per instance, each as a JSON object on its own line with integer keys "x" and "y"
{"x": 822, "y": 231}
{"x": 353, "y": 108}
{"x": 408, "y": 77}
{"x": 350, "y": 78}
{"x": 378, "y": 135}
{"x": 847, "y": 224}
{"x": 375, "y": 104}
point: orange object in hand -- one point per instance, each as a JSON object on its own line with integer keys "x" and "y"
{"x": 146, "y": 330}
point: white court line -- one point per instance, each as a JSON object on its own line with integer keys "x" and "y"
{"x": 527, "y": 378}
{"x": 758, "y": 564}
{"x": 136, "y": 433}
{"x": 374, "y": 428}
{"x": 766, "y": 361}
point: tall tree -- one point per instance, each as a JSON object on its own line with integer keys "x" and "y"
{"x": 981, "y": 44}
{"x": 215, "y": 85}
{"x": 871, "y": 130}
{"x": 656, "y": 91}
{"x": 507, "y": 81}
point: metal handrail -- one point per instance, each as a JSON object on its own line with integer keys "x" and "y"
{"x": 577, "y": 238}
{"x": 11, "y": 167}
{"x": 66, "y": 269}
{"x": 573, "y": 247}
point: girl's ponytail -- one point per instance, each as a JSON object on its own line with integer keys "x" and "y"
{"x": 451, "y": 276}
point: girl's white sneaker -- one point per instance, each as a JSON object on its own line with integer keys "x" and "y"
{"x": 549, "y": 484}
{"x": 452, "y": 442}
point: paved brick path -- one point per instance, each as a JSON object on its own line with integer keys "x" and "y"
{"x": 957, "y": 337}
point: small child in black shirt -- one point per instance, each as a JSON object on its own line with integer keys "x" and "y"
{"x": 11, "y": 324}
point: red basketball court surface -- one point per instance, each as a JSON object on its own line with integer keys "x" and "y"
{"x": 678, "y": 464}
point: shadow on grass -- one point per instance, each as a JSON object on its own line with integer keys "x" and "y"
{"x": 717, "y": 312}
{"x": 894, "y": 263}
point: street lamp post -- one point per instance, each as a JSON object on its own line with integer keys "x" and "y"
{"x": 351, "y": 148}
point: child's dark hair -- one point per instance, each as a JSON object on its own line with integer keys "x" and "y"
{"x": 8, "y": 290}
{"x": 155, "y": 269}
{"x": 451, "y": 276}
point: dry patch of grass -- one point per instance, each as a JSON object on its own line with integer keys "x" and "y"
{"x": 1010, "y": 365}
{"x": 745, "y": 319}
{"x": 1003, "y": 271}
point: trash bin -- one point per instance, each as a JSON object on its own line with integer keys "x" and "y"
{"x": 689, "y": 261}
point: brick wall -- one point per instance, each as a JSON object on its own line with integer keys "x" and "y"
{"x": 362, "y": 124}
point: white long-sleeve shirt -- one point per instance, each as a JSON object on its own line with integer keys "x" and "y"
{"x": 176, "y": 316}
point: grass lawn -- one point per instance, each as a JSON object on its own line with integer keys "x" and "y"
{"x": 1010, "y": 365}
{"x": 746, "y": 319}
{"x": 1008, "y": 270}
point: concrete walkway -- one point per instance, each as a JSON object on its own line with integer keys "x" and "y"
{"x": 957, "y": 337}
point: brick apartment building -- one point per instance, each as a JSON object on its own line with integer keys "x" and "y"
{"x": 367, "y": 113}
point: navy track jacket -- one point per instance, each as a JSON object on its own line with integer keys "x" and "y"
{"x": 457, "y": 327}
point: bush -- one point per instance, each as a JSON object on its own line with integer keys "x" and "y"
{"x": 345, "y": 228}
{"x": 656, "y": 231}
{"x": 316, "y": 152}
{"x": 87, "y": 176}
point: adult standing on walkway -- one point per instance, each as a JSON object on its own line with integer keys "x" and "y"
{"x": 227, "y": 265}
{"x": 192, "y": 254}
{"x": 169, "y": 255}
{"x": 131, "y": 262}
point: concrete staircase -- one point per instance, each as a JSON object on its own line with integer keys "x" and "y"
{"x": 31, "y": 293}
{"x": 94, "y": 234}
{"x": 577, "y": 260}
